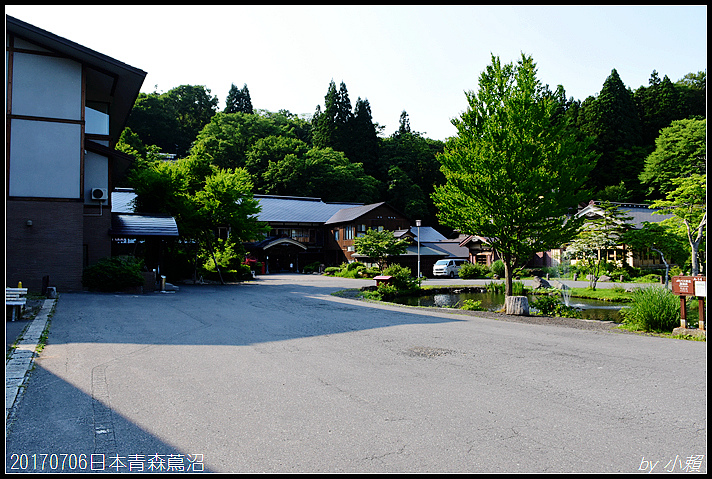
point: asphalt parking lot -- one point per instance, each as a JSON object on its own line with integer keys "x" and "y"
{"x": 281, "y": 376}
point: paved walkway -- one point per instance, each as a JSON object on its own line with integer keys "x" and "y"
{"x": 21, "y": 359}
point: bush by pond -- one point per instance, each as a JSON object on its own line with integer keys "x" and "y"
{"x": 653, "y": 309}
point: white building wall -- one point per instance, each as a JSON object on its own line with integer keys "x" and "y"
{"x": 45, "y": 156}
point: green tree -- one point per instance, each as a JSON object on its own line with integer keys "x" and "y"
{"x": 333, "y": 128}
{"x": 320, "y": 172}
{"x": 693, "y": 91}
{"x": 226, "y": 200}
{"x": 193, "y": 107}
{"x": 687, "y": 202}
{"x": 611, "y": 119}
{"x": 238, "y": 100}
{"x": 601, "y": 232}
{"x": 680, "y": 150}
{"x": 271, "y": 149}
{"x": 155, "y": 122}
{"x": 408, "y": 160}
{"x": 379, "y": 246}
{"x": 513, "y": 173}
{"x": 659, "y": 238}
{"x": 406, "y": 196}
{"x": 363, "y": 146}
{"x": 658, "y": 105}
{"x": 324, "y": 123}
{"x": 227, "y": 138}
{"x": 201, "y": 198}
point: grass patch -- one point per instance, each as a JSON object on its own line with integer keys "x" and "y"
{"x": 603, "y": 294}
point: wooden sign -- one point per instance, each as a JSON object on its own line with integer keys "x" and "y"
{"x": 687, "y": 285}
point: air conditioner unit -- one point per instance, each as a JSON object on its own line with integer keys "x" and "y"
{"x": 99, "y": 194}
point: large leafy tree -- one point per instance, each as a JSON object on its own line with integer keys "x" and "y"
{"x": 680, "y": 150}
{"x": 603, "y": 231}
{"x": 687, "y": 202}
{"x": 155, "y": 122}
{"x": 693, "y": 91}
{"x": 659, "y": 238}
{"x": 379, "y": 246}
{"x": 514, "y": 173}
{"x": 173, "y": 119}
{"x": 194, "y": 106}
{"x": 270, "y": 151}
{"x": 227, "y": 138}
{"x": 320, "y": 172}
{"x": 201, "y": 197}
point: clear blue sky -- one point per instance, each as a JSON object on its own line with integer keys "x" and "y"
{"x": 418, "y": 59}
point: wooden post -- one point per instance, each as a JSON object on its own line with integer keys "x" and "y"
{"x": 683, "y": 312}
{"x": 701, "y": 305}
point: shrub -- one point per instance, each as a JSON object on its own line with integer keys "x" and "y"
{"x": 546, "y": 305}
{"x": 402, "y": 278}
{"x": 498, "y": 268}
{"x": 387, "y": 290}
{"x": 472, "y": 305}
{"x": 312, "y": 267}
{"x": 473, "y": 271}
{"x": 113, "y": 274}
{"x": 551, "y": 306}
{"x": 653, "y": 309}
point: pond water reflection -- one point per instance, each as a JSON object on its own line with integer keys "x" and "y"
{"x": 590, "y": 308}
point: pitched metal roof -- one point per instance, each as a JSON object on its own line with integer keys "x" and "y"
{"x": 349, "y": 214}
{"x": 290, "y": 209}
{"x": 122, "y": 200}
{"x": 427, "y": 234}
{"x": 451, "y": 248}
{"x": 639, "y": 213}
{"x": 134, "y": 226}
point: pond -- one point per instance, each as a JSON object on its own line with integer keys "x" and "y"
{"x": 590, "y": 308}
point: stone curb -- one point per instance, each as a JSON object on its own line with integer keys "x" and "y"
{"x": 22, "y": 357}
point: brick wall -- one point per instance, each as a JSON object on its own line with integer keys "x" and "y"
{"x": 53, "y": 245}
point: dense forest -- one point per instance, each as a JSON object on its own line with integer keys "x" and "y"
{"x": 340, "y": 154}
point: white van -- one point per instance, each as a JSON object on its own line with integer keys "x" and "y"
{"x": 447, "y": 267}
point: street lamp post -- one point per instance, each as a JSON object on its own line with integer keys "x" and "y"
{"x": 417, "y": 223}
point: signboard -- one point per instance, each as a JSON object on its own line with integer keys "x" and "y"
{"x": 701, "y": 289}
{"x": 689, "y": 286}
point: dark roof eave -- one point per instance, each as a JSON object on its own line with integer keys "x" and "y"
{"x": 128, "y": 79}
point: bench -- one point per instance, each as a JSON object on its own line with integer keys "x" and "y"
{"x": 15, "y": 301}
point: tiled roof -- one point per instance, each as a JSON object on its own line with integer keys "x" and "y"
{"x": 289, "y": 209}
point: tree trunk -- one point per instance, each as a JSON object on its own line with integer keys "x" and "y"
{"x": 507, "y": 259}
{"x": 667, "y": 266}
{"x": 517, "y": 305}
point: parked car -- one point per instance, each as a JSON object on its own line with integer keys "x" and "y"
{"x": 447, "y": 267}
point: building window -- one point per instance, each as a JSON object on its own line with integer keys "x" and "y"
{"x": 96, "y": 118}
{"x": 348, "y": 232}
{"x": 360, "y": 230}
{"x": 336, "y": 235}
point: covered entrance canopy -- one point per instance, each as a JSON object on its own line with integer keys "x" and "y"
{"x": 279, "y": 253}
